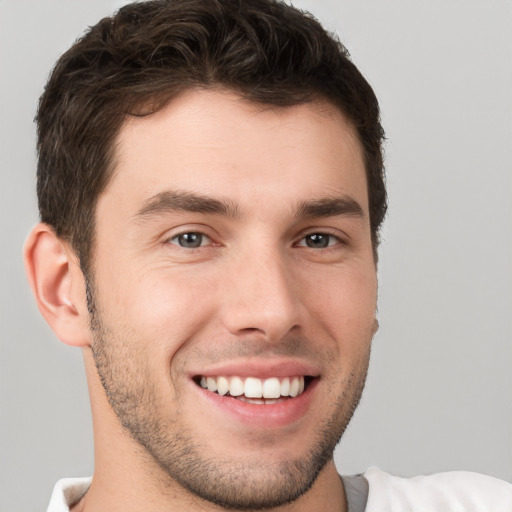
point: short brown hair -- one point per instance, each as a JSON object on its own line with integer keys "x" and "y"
{"x": 147, "y": 53}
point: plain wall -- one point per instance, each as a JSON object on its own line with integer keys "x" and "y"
{"x": 439, "y": 394}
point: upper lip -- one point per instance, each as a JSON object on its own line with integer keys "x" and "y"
{"x": 262, "y": 368}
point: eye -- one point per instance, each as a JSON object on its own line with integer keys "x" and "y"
{"x": 318, "y": 241}
{"x": 191, "y": 240}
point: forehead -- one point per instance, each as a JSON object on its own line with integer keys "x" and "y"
{"x": 213, "y": 142}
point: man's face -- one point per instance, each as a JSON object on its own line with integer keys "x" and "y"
{"x": 233, "y": 251}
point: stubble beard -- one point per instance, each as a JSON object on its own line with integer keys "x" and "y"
{"x": 232, "y": 485}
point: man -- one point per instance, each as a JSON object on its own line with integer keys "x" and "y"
{"x": 211, "y": 190}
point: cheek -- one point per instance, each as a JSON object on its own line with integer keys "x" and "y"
{"x": 345, "y": 304}
{"x": 162, "y": 308}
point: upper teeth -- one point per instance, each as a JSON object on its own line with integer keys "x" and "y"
{"x": 252, "y": 387}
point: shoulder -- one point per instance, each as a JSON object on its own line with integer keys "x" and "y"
{"x": 443, "y": 492}
{"x": 67, "y": 492}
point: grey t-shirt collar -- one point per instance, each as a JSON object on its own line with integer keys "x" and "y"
{"x": 356, "y": 492}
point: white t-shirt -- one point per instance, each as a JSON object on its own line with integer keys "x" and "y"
{"x": 455, "y": 491}
{"x": 67, "y": 492}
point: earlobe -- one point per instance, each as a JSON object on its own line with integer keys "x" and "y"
{"x": 58, "y": 285}
{"x": 375, "y": 326}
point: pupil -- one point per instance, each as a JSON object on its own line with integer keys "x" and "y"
{"x": 317, "y": 241}
{"x": 190, "y": 240}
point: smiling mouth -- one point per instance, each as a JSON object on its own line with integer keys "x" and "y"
{"x": 254, "y": 390}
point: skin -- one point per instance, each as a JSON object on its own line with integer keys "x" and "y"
{"x": 256, "y": 296}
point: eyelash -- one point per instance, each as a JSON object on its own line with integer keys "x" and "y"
{"x": 330, "y": 238}
{"x": 205, "y": 240}
{"x": 202, "y": 237}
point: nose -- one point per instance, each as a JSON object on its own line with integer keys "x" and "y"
{"x": 261, "y": 296}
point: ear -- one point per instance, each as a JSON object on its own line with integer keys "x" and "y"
{"x": 58, "y": 285}
{"x": 375, "y": 326}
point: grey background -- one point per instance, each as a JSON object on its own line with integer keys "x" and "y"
{"x": 439, "y": 395}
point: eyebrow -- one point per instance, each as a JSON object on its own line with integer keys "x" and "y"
{"x": 330, "y": 207}
{"x": 176, "y": 201}
{"x": 182, "y": 201}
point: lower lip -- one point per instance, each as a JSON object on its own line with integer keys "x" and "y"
{"x": 280, "y": 414}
